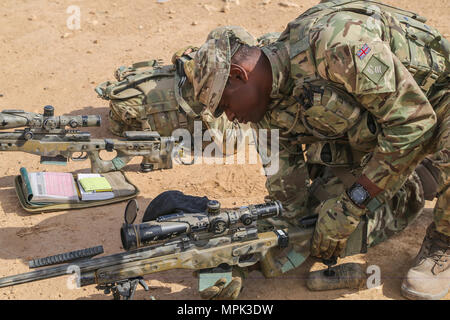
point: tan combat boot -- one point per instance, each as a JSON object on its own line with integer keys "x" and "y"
{"x": 429, "y": 278}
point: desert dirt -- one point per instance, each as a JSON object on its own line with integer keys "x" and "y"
{"x": 44, "y": 62}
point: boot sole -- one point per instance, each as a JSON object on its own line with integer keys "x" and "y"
{"x": 414, "y": 295}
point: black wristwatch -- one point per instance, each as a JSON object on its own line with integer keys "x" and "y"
{"x": 359, "y": 195}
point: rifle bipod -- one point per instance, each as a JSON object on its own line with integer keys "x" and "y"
{"x": 123, "y": 290}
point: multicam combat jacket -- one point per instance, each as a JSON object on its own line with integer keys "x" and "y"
{"x": 351, "y": 79}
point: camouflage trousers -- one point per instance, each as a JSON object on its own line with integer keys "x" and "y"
{"x": 441, "y": 159}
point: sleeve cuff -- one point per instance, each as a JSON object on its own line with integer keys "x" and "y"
{"x": 371, "y": 187}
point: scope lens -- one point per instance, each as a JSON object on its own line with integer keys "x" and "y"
{"x": 140, "y": 235}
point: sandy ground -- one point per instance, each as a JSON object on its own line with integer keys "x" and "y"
{"x": 44, "y": 62}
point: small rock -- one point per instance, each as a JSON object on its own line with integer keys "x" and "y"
{"x": 65, "y": 35}
{"x": 95, "y": 22}
{"x": 45, "y": 88}
{"x": 32, "y": 18}
{"x": 226, "y": 8}
{"x": 266, "y": 2}
{"x": 89, "y": 52}
{"x": 1, "y": 95}
{"x": 194, "y": 23}
{"x": 92, "y": 12}
{"x": 171, "y": 11}
{"x": 288, "y": 4}
{"x": 95, "y": 41}
{"x": 141, "y": 27}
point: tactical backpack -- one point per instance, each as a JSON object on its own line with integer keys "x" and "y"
{"x": 147, "y": 96}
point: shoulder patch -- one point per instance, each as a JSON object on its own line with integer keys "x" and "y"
{"x": 362, "y": 67}
{"x": 375, "y": 69}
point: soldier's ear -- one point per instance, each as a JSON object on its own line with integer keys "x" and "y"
{"x": 238, "y": 73}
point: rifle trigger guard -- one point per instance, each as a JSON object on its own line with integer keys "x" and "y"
{"x": 83, "y": 156}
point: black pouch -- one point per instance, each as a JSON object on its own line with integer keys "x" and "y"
{"x": 174, "y": 201}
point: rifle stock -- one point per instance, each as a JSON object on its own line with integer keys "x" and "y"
{"x": 193, "y": 250}
{"x": 178, "y": 254}
{"x": 45, "y": 135}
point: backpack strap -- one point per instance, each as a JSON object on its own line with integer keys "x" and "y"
{"x": 180, "y": 79}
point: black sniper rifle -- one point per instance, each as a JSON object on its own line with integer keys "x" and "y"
{"x": 194, "y": 241}
{"x": 45, "y": 135}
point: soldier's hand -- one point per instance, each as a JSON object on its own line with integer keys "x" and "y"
{"x": 338, "y": 218}
{"x": 222, "y": 291}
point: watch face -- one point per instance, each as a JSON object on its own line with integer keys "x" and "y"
{"x": 358, "y": 194}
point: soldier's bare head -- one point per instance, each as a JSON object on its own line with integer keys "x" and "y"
{"x": 232, "y": 76}
{"x": 247, "y": 93}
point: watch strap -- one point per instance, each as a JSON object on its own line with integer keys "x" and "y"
{"x": 370, "y": 187}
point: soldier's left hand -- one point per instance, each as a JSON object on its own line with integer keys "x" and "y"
{"x": 338, "y": 218}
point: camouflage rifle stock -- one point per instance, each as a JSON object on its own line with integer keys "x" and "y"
{"x": 45, "y": 135}
{"x": 179, "y": 241}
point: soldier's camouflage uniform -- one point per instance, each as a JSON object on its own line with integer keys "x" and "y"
{"x": 366, "y": 88}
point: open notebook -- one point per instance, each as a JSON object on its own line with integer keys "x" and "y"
{"x": 50, "y": 186}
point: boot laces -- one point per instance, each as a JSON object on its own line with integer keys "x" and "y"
{"x": 436, "y": 250}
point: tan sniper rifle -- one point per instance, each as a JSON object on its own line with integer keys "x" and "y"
{"x": 196, "y": 241}
{"x": 45, "y": 135}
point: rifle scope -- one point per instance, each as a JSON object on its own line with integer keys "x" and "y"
{"x": 47, "y": 120}
{"x": 214, "y": 221}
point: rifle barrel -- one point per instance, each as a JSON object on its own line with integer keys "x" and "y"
{"x": 85, "y": 266}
